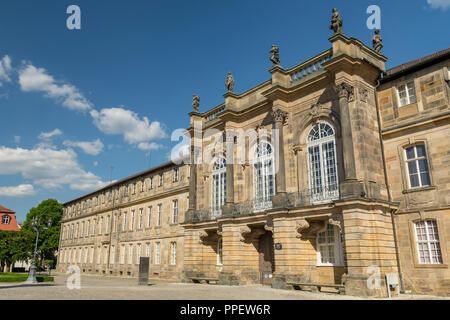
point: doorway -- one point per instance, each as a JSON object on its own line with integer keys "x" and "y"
{"x": 266, "y": 258}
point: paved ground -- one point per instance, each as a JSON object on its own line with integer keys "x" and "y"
{"x": 103, "y": 288}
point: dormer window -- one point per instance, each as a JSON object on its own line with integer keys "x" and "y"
{"x": 406, "y": 94}
{"x": 6, "y": 219}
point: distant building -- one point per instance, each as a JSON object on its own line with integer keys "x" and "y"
{"x": 8, "y": 220}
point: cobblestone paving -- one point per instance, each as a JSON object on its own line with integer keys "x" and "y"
{"x": 104, "y": 288}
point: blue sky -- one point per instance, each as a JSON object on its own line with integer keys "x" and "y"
{"x": 73, "y": 103}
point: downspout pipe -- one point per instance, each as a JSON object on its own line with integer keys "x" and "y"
{"x": 387, "y": 182}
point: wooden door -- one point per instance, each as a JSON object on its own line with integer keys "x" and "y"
{"x": 266, "y": 258}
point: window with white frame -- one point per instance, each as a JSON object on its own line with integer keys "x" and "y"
{"x": 159, "y": 214}
{"x": 147, "y": 250}
{"x": 152, "y": 182}
{"x": 141, "y": 217}
{"x": 99, "y": 254}
{"x": 264, "y": 177}
{"x": 94, "y": 227}
{"x": 329, "y": 250}
{"x": 71, "y": 232}
{"x": 133, "y": 188}
{"x": 124, "y": 227}
{"x": 175, "y": 174}
{"x": 88, "y": 227}
{"x": 79, "y": 256}
{"x": 138, "y": 253}
{"x": 132, "y": 220}
{"x": 322, "y": 165}
{"x": 82, "y": 229}
{"x": 105, "y": 255}
{"x": 122, "y": 254}
{"x": 219, "y": 190}
{"x": 427, "y": 239}
{"x": 173, "y": 253}
{"x": 161, "y": 179}
{"x": 113, "y": 254}
{"x": 130, "y": 254}
{"x": 86, "y": 252}
{"x": 92, "y": 255}
{"x": 219, "y": 252}
{"x": 149, "y": 218}
{"x": 100, "y": 228}
{"x": 175, "y": 211}
{"x": 406, "y": 94}
{"x": 76, "y": 231}
{"x": 417, "y": 166}
{"x": 108, "y": 224}
{"x": 6, "y": 219}
{"x": 157, "y": 253}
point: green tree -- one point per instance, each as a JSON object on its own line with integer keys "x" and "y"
{"x": 49, "y": 238}
{"x": 9, "y": 248}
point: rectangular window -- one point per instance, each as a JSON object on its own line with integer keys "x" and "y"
{"x": 406, "y": 94}
{"x": 82, "y": 229}
{"x": 94, "y": 227}
{"x": 130, "y": 254}
{"x": 149, "y": 218}
{"x": 175, "y": 174}
{"x": 101, "y": 226}
{"x": 328, "y": 246}
{"x": 157, "y": 253}
{"x": 175, "y": 211}
{"x": 86, "y": 254}
{"x": 147, "y": 250}
{"x": 108, "y": 224}
{"x": 124, "y": 227}
{"x": 159, "y": 214}
{"x": 105, "y": 255}
{"x": 132, "y": 220}
{"x": 142, "y": 185}
{"x": 79, "y": 256}
{"x": 138, "y": 253}
{"x": 88, "y": 228}
{"x": 152, "y": 183}
{"x": 417, "y": 166}
{"x": 122, "y": 254}
{"x": 92, "y": 255}
{"x": 161, "y": 179}
{"x": 428, "y": 246}
{"x": 173, "y": 253}
{"x": 113, "y": 254}
{"x": 99, "y": 254}
{"x": 141, "y": 214}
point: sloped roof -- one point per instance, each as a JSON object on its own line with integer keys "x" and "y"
{"x": 12, "y": 225}
{"x": 5, "y": 210}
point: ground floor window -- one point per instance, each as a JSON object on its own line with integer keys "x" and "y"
{"x": 428, "y": 246}
{"x": 173, "y": 253}
{"x": 329, "y": 249}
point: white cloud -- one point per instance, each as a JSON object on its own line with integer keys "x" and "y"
{"x": 90, "y": 147}
{"x": 37, "y": 79}
{"x": 49, "y": 135}
{"x": 17, "y": 139}
{"x": 127, "y": 123}
{"x": 5, "y": 69}
{"x": 146, "y": 146}
{"x": 95, "y": 163}
{"x": 48, "y": 168}
{"x": 23, "y": 190}
{"x": 442, "y": 4}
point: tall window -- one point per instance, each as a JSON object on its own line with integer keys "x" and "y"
{"x": 157, "y": 253}
{"x": 86, "y": 254}
{"x": 219, "y": 181}
{"x": 173, "y": 253}
{"x": 147, "y": 250}
{"x": 99, "y": 254}
{"x": 406, "y": 94}
{"x": 175, "y": 174}
{"x": 79, "y": 256}
{"x": 149, "y": 218}
{"x": 108, "y": 224}
{"x": 417, "y": 166}
{"x": 100, "y": 230}
{"x": 6, "y": 219}
{"x": 94, "y": 227}
{"x": 329, "y": 251}
{"x": 138, "y": 253}
{"x": 322, "y": 166}
{"x": 124, "y": 227}
{"x": 152, "y": 182}
{"x": 175, "y": 211}
{"x": 161, "y": 179}
{"x": 141, "y": 214}
{"x": 88, "y": 228}
{"x": 132, "y": 220}
{"x": 130, "y": 254}
{"x": 82, "y": 229}
{"x": 427, "y": 238}
{"x": 122, "y": 254}
{"x": 105, "y": 255}
{"x": 92, "y": 255}
{"x": 264, "y": 173}
{"x": 113, "y": 254}
{"x": 159, "y": 214}
{"x": 219, "y": 252}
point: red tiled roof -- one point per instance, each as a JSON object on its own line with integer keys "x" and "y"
{"x": 413, "y": 63}
{"x": 5, "y": 210}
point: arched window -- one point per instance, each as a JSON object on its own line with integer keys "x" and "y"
{"x": 322, "y": 166}
{"x": 264, "y": 177}
{"x": 6, "y": 219}
{"x": 219, "y": 190}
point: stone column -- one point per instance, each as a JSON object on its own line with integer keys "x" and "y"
{"x": 192, "y": 181}
{"x": 229, "y": 201}
{"x": 280, "y": 175}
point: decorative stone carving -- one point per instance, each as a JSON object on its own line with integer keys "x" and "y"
{"x": 308, "y": 229}
{"x": 196, "y": 102}
{"x": 344, "y": 90}
{"x": 377, "y": 41}
{"x": 363, "y": 95}
{"x": 316, "y": 110}
{"x": 229, "y": 83}
{"x": 301, "y": 226}
{"x": 269, "y": 226}
{"x": 244, "y": 232}
{"x": 279, "y": 115}
{"x": 203, "y": 235}
{"x": 336, "y": 22}
{"x": 274, "y": 57}
{"x": 335, "y": 221}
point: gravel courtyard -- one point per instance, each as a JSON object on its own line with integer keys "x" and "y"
{"x": 103, "y": 288}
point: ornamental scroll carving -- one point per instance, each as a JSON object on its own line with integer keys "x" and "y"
{"x": 244, "y": 232}
{"x": 308, "y": 229}
{"x": 346, "y": 91}
{"x": 279, "y": 115}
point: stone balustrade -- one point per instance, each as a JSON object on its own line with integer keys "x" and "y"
{"x": 309, "y": 67}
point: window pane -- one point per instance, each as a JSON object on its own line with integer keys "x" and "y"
{"x": 414, "y": 180}
{"x": 412, "y": 168}
{"x": 421, "y": 150}
{"x": 425, "y": 179}
{"x": 410, "y": 153}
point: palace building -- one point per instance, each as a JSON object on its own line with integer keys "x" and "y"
{"x": 333, "y": 172}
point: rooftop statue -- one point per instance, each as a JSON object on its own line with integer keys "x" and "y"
{"x": 274, "y": 57}
{"x": 196, "y": 102}
{"x": 229, "y": 83}
{"x": 336, "y": 22}
{"x": 377, "y": 41}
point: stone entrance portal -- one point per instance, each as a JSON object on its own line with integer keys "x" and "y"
{"x": 266, "y": 258}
